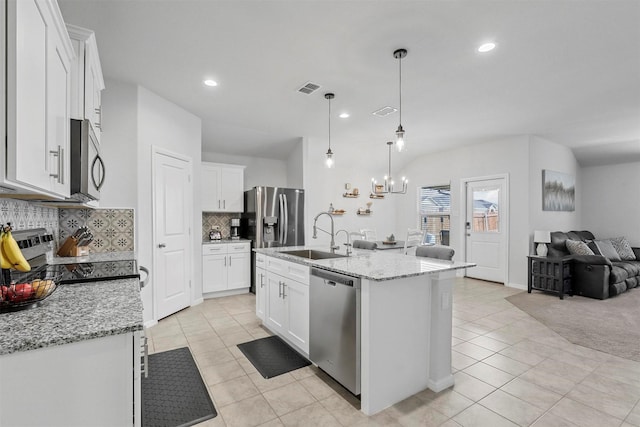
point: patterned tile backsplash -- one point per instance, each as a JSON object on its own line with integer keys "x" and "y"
{"x": 112, "y": 229}
{"x": 223, "y": 220}
{"x": 25, "y": 215}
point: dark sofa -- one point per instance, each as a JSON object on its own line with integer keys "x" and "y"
{"x": 595, "y": 276}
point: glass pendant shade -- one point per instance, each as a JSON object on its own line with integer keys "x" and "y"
{"x": 400, "y": 139}
{"x": 329, "y": 162}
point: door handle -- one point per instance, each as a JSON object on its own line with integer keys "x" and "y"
{"x": 224, "y": 204}
{"x": 284, "y": 295}
{"x": 59, "y": 153}
{"x": 229, "y": 260}
{"x": 279, "y": 289}
{"x": 261, "y": 280}
{"x": 218, "y": 204}
{"x": 162, "y": 245}
{"x": 225, "y": 261}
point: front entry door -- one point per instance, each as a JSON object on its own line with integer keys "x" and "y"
{"x": 486, "y": 229}
{"x": 172, "y": 191}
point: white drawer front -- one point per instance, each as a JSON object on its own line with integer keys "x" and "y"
{"x": 214, "y": 248}
{"x": 239, "y": 247}
{"x": 290, "y": 270}
{"x": 261, "y": 261}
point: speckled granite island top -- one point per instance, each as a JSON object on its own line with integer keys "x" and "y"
{"x": 74, "y": 312}
{"x": 94, "y": 257}
{"x": 372, "y": 265}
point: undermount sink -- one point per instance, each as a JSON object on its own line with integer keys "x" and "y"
{"x": 313, "y": 254}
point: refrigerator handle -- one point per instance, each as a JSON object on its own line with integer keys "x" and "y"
{"x": 286, "y": 220}
{"x": 280, "y": 220}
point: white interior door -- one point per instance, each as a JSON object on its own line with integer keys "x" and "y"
{"x": 486, "y": 229}
{"x": 172, "y": 199}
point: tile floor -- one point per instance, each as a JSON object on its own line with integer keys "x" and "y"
{"x": 509, "y": 370}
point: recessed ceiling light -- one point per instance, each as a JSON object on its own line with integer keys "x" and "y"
{"x": 344, "y": 115}
{"x": 210, "y": 82}
{"x": 486, "y": 47}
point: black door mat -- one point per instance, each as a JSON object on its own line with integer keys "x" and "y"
{"x": 272, "y": 356}
{"x": 174, "y": 394}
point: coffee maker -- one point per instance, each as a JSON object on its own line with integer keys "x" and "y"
{"x": 235, "y": 228}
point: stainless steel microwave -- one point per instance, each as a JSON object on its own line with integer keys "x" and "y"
{"x": 87, "y": 167}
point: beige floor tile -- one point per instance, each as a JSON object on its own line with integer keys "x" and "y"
{"x": 213, "y": 357}
{"x": 550, "y": 420}
{"x": 248, "y": 319}
{"x": 381, "y": 419}
{"x": 221, "y": 372}
{"x": 505, "y": 336}
{"x": 617, "y": 405}
{"x": 489, "y": 374}
{"x": 310, "y": 416}
{"x": 512, "y": 408}
{"x": 257, "y": 333}
{"x": 169, "y": 342}
{"x": 522, "y": 356}
{"x": 472, "y": 350}
{"x": 305, "y": 372}
{"x": 507, "y": 364}
{"x": 463, "y": 334}
{"x": 233, "y": 391}
{"x": 247, "y": 413}
{"x": 237, "y": 353}
{"x": 288, "y": 398}
{"x": 610, "y": 386}
{"x": 449, "y": 403}
{"x": 235, "y": 339}
{"x": 205, "y": 346}
{"x": 347, "y": 413}
{"x": 475, "y": 327}
{"x": 529, "y": 346}
{"x": 247, "y": 366}
{"x": 423, "y": 416}
{"x": 532, "y": 393}
{"x": 548, "y": 381}
{"x": 561, "y": 369}
{"x": 272, "y": 423}
{"x": 265, "y": 385}
{"x": 196, "y": 329}
{"x": 223, "y": 322}
{"x": 471, "y": 387}
{"x": 583, "y": 415}
{"x": 634, "y": 417}
{"x": 490, "y": 343}
{"x": 450, "y": 423}
{"x": 479, "y": 416}
{"x": 321, "y": 386}
{"x": 460, "y": 361}
{"x": 202, "y": 336}
{"x": 218, "y": 421}
{"x": 618, "y": 373}
{"x": 229, "y": 330}
{"x": 576, "y": 360}
{"x": 456, "y": 341}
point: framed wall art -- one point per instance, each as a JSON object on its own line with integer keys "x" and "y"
{"x": 558, "y": 191}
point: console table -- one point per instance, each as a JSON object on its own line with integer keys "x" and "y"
{"x": 550, "y": 274}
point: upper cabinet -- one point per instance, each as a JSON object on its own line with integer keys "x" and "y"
{"x": 87, "y": 82}
{"x": 37, "y": 56}
{"x": 222, "y": 187}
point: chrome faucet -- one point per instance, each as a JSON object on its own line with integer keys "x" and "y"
{"x": 332, "y": 246}
{"x": 348, "y": 244}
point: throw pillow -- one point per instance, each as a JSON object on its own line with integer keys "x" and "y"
{"x": 622, "y": 246}
{"x": 578, "y": 247}
{"x": 607, "y": 250}
{"x": 593, "y": 247}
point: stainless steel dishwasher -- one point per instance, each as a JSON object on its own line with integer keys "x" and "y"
{"x": 334, "y": 326}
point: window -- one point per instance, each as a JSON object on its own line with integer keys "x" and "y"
{"x": 435, "y": 213}
{"x": 486, "y": 215}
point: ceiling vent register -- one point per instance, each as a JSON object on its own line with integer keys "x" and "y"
{"x": 384, "y": 111}
{"x": 308, "y": 88}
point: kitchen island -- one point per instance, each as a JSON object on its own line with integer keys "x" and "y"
{"x": 74, "y": 358}
{"x": 405, "y": 318}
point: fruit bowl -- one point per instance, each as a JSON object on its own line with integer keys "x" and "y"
{"x": 21, "y": 291}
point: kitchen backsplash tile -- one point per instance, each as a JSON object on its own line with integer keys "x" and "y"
{"x": 223, "y": 220}
{"x": 112, "y": 229}
{"x": 25, "y": 215}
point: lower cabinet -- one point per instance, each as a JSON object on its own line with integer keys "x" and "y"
{"x": 85, "y": 383}
{"x": 226, "y": 266}
{"x": 261, "y": 287}
{"x": 287, "y": 308}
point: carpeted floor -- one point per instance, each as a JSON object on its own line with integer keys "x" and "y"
{"x": 611, "y": 326}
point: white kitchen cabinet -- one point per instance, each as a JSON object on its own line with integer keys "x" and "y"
{"x": 261, "y": 287}
{"x": 287, "y": 301}
{"x": 226, "y": 267}
{"x": 222, "y": 187}
{"x": 38, "y": 67}
{"x": 87, "y": 82}
{"x": 85, "y": 383}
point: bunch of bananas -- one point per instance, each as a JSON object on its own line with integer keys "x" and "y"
{"x": 10, "y": 253}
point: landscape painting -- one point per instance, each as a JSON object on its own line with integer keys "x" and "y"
{"x": 558, "y": 191}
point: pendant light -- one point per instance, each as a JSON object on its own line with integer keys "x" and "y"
{"x": 388, "y": 186}
{"x": 329, "y": 162}
{"x": 399, "y": 54}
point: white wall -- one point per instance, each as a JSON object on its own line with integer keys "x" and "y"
{"x": 356, "y": 166}
{"x": 507, "y": 156}
{"x": 544, "y": 154}
{"x": 295, "y": 166}
{"x": 611, "y": 201}
{"x": 165, "y": 125}
{"x": 259, "y": 171}
{"x": 119, "y": 139}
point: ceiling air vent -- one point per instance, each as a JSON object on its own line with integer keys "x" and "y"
{"x": 384, "y": 111}
{"x": 308, "y": 88}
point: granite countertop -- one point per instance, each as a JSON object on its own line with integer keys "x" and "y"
{"x": 217, "y": 242}
{"x": 74, "y": 312}
{"x": 372, "y": 265}
{"x": 94, "y": 257}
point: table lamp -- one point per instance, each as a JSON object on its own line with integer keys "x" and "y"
{"x": 541, "y": 238}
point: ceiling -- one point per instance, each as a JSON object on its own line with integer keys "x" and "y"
{"x": 565, "y": 70}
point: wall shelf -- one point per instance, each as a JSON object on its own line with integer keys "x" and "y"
{"x": 350, "y": 195}
{"x": 376, "y": 196}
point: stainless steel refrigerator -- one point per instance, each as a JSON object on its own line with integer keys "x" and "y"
{"x": 273, "y": 217}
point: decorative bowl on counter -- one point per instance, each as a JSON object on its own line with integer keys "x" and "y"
{"x": 21, "y": 291}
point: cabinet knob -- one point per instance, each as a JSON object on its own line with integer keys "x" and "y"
{"x": 162, "y": 245}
